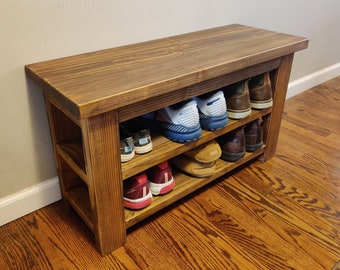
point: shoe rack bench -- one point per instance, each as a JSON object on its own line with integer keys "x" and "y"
{"x": 88, "y": 95}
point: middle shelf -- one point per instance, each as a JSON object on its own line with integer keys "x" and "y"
{"x": 163, "y": 149}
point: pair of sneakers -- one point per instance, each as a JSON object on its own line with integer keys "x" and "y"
{"x": 133, "y": 140}
{"x": 139, "y": 190}
{"x": 183, "y": 122}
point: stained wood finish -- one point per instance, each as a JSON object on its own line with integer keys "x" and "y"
{"x": 97, "y": 82}
{"x": 89, "y": 95}
{"x": 281, "y": 214}
{"x": 100, "y": 137}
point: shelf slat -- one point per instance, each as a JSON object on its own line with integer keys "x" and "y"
{"x": 78, "y": 198}
{"x": 72, "y": 153}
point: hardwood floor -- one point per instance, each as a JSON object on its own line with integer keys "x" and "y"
{"x": 281, "y": 214}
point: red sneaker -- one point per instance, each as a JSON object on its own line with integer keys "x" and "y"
{"x": 160, "y": 179}
{"x": 136, "y": 191}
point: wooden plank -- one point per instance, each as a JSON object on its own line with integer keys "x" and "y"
{"x": 280, "y": 85}
{"x": 93, "y": 83}
{"x": 281, "y": 214}
{"x": 101, "y": 144}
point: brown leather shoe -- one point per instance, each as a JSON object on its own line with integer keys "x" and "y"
{"x": 238, "y": 101}
{"x": 233, "y": 145}
{"x": 254, "y": 136}
{"x": 260, "y": 91}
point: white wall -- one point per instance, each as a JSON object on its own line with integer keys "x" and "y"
{"x": 33, "y": 31}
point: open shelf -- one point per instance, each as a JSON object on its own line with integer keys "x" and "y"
{"x": 186, "y": 184}
{"x": 164, "y": 149}
{"x": 73, "y": 154}
{"x": 88, "y": 96}
{"x": 78, "y": 196}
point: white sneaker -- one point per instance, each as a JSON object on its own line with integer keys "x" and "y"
{"x": 212, "y": 110}
{"x": 179, "y": 122}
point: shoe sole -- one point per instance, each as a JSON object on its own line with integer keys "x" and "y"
{"x": 238, "y": 115}
{"x": 143, "y": 149}
{"x": 139, "y": 203}
{"x": 161, "y": 189}
{"x": 214, "y": 122}
{"x": 127, "y": 157}
{"x": 253, "y": 147}
{"x": 191, "y": 135}
{"x": 231, "y": 157}
{"x": 261, "y": 104}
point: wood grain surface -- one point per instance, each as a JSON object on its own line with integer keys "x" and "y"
{"x": 281, "y": 214}
{"x": 96, "y": 82}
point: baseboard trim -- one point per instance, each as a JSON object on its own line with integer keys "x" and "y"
{"x": 300, "y": 85}
{"x": 33, "y": 198}
{"x": 29, "y": 200}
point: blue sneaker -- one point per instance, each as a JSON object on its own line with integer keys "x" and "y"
{"x": 179, "y": 122}
{"x": 212, "y": 109}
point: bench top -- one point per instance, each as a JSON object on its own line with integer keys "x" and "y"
{"x": 96, "y": 82}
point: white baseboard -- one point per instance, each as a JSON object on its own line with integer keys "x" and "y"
{"x": 300, "y": 85}
{"x": 28, "y": 200}
{"x": 33, "y": 198}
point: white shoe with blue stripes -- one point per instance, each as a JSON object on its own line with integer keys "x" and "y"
{"x": 179, "y": 122}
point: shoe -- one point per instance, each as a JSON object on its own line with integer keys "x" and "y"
{"x": 238, "y": 100}
{"x": 160, "y": 178}
{"x": 141, "y": 136}
{"x": 233, "y": 145}
{"x": 127, "y": 151}
{"x": 212, "y": 110}
{"x": 193, "y": 167}
{"x": 136, "y": 192}
{"x": 179, "y": 122}
{"x": 260, "y": 91}
{"x": 205, "y": 153}
{"x": 142, "y": 141}
{"x": 254, "y": 136}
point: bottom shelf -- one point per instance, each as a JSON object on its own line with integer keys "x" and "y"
{"x": 185, "y": 184}
{"x": 78, "y": 196}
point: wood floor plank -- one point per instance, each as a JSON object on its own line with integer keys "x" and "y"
{"x": 271, "y": 225}
{"x": 205, "y": 250}
{"x": 280, "y": 214}
{"x": 315, "y": 203}
{"x": 285, "y": 221}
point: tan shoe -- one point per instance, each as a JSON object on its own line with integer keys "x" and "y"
{"x": 206, "y": 153}
{"x": 193, "y": 167}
